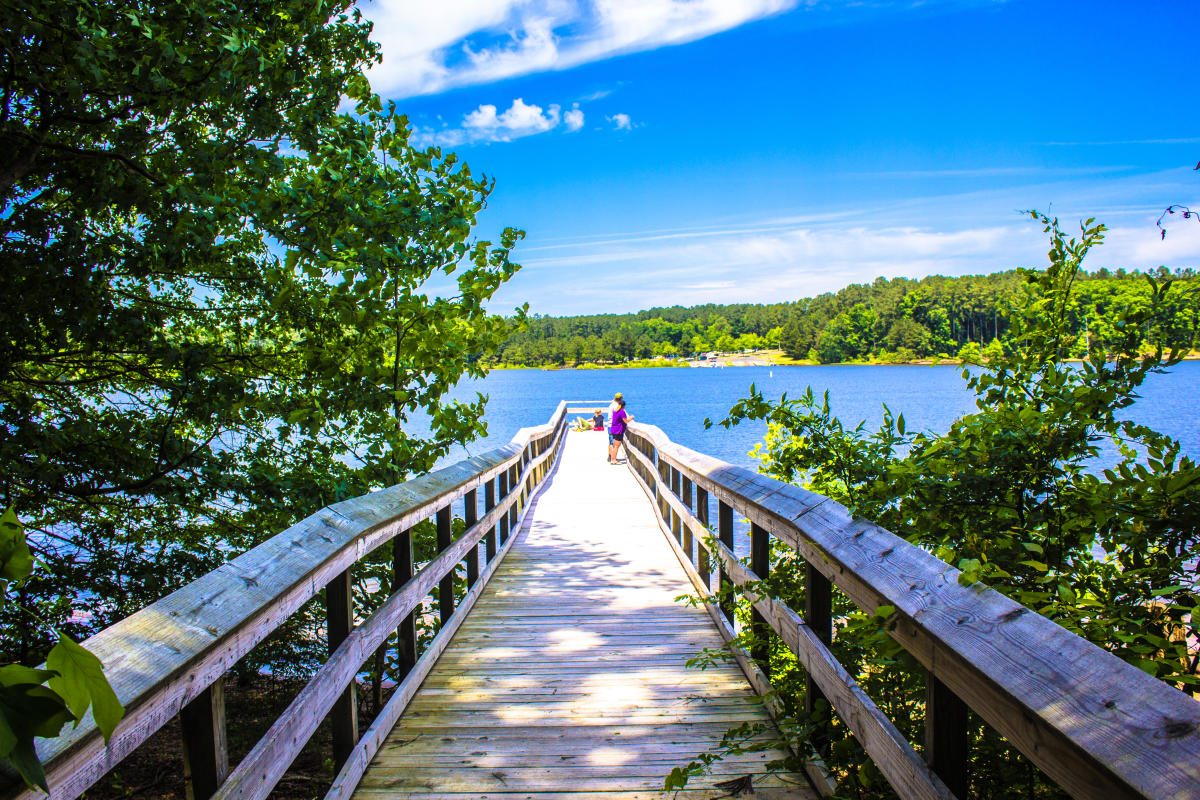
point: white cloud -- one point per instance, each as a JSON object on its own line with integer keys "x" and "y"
{"x": 427, "y": 49}
{"x": 573, "y": 119}
{"x": 484, "y": 124}
{"x": 777, "y": 259}
{"x": 621, "y": 122}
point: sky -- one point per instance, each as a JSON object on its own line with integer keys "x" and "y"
{"x": 678, "y": 152}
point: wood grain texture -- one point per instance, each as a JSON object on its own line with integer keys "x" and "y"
{"x": 164, "y": 656}
{"x": 568, "y": 677}
{"x": 1099, "y": 727}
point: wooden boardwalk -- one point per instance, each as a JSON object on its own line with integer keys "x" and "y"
{"x": 568, "y": 678}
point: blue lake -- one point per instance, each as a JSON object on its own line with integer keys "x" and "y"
{"x": 678, "y": 399}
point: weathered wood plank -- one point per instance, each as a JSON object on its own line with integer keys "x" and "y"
{"x": 604, "y": 703}
{"x": 256, "y": 775}
{"x": 162, "y": 657}
{"x": 205, "y": 745}
{"x": 1099, "y": 727}
{"x": 760, "y": 793}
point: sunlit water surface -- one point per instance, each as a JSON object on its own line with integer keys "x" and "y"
{"x": 679, "y": 399}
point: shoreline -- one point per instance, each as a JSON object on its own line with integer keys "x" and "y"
{"x": 772, "y": 358}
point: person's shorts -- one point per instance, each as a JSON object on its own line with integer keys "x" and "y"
{"x": 610, "y": 437}
{"x": 616, "y": 437}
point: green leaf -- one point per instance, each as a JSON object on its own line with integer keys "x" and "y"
{"x": 24, "y": 758}
{"x": 8, "y": 737}
{"x": 16, "y": 562}
{"x": 17, "y": 675}
{"x": 81, "y": 683}
{"x": 676, "y": 780}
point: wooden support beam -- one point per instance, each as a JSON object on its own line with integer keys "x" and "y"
{"x": 339, "y": 615}
{"x": 685, "y": 494}
{"x": 205, "y": 747}
{"x": 702, "y": 565}
{"x": 406, "y": 633}
{"x": 446, "y": 585}
{"x": 470, "y": 517}
{"x": 676, "y": 520}
{"x": 946, "y": 748}
{"x": 664, "y": 475}
{"x": 489, "y": 502}
{"x": 515, "y": 508}
{"x": 725, "y": 534}
{"x": 503, "y": 478}
{"x": 818, "y": 614}
{"x": 760, "y": 564}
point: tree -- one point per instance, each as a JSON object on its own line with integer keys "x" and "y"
{"x": 907, "y": 333}
{"x": 1011, "y": 494}
{"x": 220, "y": 317}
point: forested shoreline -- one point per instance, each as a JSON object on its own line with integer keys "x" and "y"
{"x": 887, "y": 321}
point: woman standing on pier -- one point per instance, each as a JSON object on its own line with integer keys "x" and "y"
{"x": 616, "y": 429}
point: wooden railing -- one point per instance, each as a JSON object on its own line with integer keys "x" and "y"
{"x": 168, "y": 659}
{"x": 1099, "y": 727}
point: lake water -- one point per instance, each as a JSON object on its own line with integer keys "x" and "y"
{"x": 678, "y": 399}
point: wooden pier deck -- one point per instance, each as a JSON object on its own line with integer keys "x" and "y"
{"x": 559, "y": 674}
{"x": 568, "y": 678}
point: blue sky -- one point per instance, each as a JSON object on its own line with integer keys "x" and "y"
{"x": 662, "y": 152}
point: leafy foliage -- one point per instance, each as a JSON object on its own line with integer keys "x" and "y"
{"x": 231, "y": 300}
{"x": 38, "y": 702}
{"x": 886, "y": 321}
{"x": 1012, "y": 495}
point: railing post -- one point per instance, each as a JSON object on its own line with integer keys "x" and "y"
{"x": 685, "y": 495}
{"x": 406, "y": 634}
{"x": 818, "y": 614}
{"x": 676, "y": 521}
{"x": 446, "y": 586}
{"x": 339, "y": 615}
{"x": 503, "y": 478}
{"x": 946, "y": 748}
{"x": 489, "y": 502}
{"x": 664, "y": 473}
{"x": 205, "y": 747}
{"x": 701, "y": 551}
{"x": 470, "y": 517}
{"x": 725, "y": 534}
{"x": 760, "y": 564}
{"x": 515, "y": 507}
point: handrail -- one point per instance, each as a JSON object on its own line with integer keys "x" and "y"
{"x": 167, "y": 658}
{"x": 1099, "y": 727}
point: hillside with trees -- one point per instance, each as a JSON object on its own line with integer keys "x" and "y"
{"x": 889, "y": 320}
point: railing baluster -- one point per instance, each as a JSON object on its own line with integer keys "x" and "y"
{"x": 664, "y": 473}
{"x": 503, "y": 478}
{"x": 676, "y": 522}
{"x": 339, "y": 615}
{"x": 686, "y": 496}
{"x": 725, "y": 534}
{"x": 818, "y": 614}
{"x": 946, "y": 747}
{"x": 205, "y": 747}
{"x": 760, "y": 564}
{"x": 489, "y": 502}
{"x": 446, "y": 585}
{"x": 406, "y": 634}
{"x": 470, "y": 517}
{"x": 514, "y": 508}
{"x": 701, "y": 552}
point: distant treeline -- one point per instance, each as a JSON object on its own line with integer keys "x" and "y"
{"x": 888, "y": 320}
